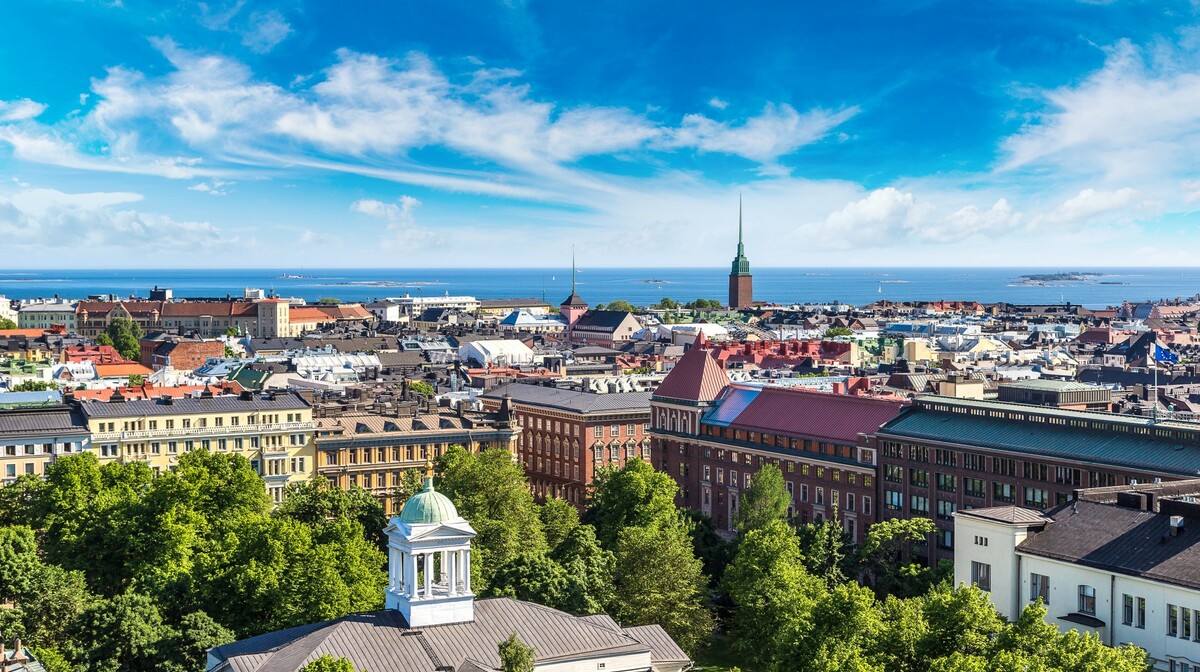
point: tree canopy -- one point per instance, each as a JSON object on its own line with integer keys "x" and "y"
{"x": 766, "y": 499}
{"x": 125, "y": 335}
{"x": 515, "y": 656}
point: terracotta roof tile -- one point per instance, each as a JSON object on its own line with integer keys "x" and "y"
{"x": 696, "y": 377}
{"x": 822, "y": 415}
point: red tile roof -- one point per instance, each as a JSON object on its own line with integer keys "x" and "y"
{"x": 149, "y": 391}
{"x": 27, "y": 333}
{"x": 117, "y": 370}
{"x": 696, "y": 377}
{"x": 832, "y": 417}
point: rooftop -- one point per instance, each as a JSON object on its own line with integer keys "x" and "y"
{"x": 573, "y": 400}
{"x": 696, "y": 377}
{"x": 192, "y": 405}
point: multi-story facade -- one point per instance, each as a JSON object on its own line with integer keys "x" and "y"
{"x": 275, "y": 431}
{"x": 1119, "y": 562}
{"x": 32, "y": 437}
{"x": 371, "y": 451}
{"x": 713, "y": 437}
{"x": 265, "y": 318}
{"x": 567, "y": 435}
{"x": 45, "y": 314}
{"x": 944, "y": 455}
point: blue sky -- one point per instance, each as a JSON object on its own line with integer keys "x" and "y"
{"x": 402, "y": 133}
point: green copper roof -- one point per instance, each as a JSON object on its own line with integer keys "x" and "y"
{"x": 428, "y": 506}
{"x": 741, "y": 265}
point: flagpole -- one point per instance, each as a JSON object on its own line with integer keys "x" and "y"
{"x": 1154, "y": 388}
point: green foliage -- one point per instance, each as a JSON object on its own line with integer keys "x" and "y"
{"x": 421, "y": 387}
{"x": 411, "y": 482}
{"x": 558, "y": 518}
{"x": 515, "y": 656}
{"x": 826, "y": 551}
{"x": 878, "y": 557}
{"x": 668, "y": 303}
{"x": 33, "y": 386}
{"x": 6, "y": 323}
{"x": 620, "y": 305}
{"x": 125, "y": 632}
{"x": 489, "y": 489}
{"x": 633, "y": 496}
{"x": 232, "y": 332}
{"x": 315, "y": 501}
{"x": 766, "y": 500}
{"x": 18, "y": 561}
{"x": 589, "y": 569}
{"x": 533, "y": 577}
{"x": 230, "y": 353}
{"x": 834, "y": 332}
{"x": 104, "y": 339}
{"x": 54, "y": 602}
{"x": 714, "y": 551}
{"x": 328, "y": 663}
{"x": 52, "y": 659}
{"x": 135, "y": 380}
{"x": 124, "y": 335}
{"x": 658, "y": 579}
{"x": 329, "y": 301}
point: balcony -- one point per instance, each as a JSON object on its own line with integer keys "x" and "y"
{"x": 197, "y": 432}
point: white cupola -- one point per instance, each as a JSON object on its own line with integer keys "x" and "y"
{"x": 429, "y": 560}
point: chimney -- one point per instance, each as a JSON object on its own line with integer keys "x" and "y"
{"x": 1176, "y": 527}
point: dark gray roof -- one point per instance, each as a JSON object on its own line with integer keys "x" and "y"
{"x": 1006, "y": 514}
{"x": 572, "y": 400}
{"x": 1119, "y": 539}
{"x": 42, "y": 420}
{"x": 609, "y": 319}
{"x": 380, "y": 641}
{"x": 283, "y": 401}
{"x": 663, "y": 649}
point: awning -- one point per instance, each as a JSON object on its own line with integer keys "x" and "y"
{"x": 1083, "y": 619}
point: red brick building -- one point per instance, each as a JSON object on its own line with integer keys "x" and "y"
{"x": 182, "y": 354}
{"x": 713, "y": 436}
{"x": 566, "y": 434}
{"x": 741, "y": 283}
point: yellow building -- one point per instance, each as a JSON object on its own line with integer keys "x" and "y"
{"x": 34, "y": 436}
{"x": 273, "y": 430}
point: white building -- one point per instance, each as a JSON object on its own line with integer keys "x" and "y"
{"x": 433, "y": 623}
{"x": 385, "y": 311}
{"x": 42, "y": 313}
{"x": 415, "y": 305}
{"x": 1122, "y": 562}
{"x": 495, "y": 353}
{"x": 7, "y": 312}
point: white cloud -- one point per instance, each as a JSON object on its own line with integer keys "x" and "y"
{"x": 213, "y": 188}
{"x": 48, "y": 218}
{"x": 20, "y": 110}
{"x": 267, "y": 30}
{"x": 717, "y": 103}
{"x": 778, "y": 131}
{"x": 1089, "y": 204}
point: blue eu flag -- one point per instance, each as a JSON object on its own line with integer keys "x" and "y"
{"x": 1162, "y": 354}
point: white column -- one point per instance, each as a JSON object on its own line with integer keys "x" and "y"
{"x": 398, "y": 571}
{"x": 452, "y": 572}
{"x": 428, "y": 575}
{"x": 410, "y": 571}
{"x": 467, "y": 570}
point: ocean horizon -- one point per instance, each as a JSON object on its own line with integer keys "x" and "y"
{"x": 1103, "y": 286}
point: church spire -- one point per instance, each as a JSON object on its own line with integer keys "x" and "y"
{"x": 741, "y": 249}
{"x": 572, "y": 269}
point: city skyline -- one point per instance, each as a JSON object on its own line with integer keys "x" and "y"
{"x": 499, "y": 135}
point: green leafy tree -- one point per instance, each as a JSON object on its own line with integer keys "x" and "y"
{"x": 714, "y": 551}
{"x": 135, "y": 380}
{"x": 18, "y": 561}
{"x": 327, "y": 663}
{"x": 620, "y": 305}
{"x": 232, "y": 332}
{"x": 422, "y": 388}
{"x": 667, "y": 303}
{"x": 125, "y": 335}
{"x": 18, "y": 499}
{"x": 34, "y": 386}
{"x": 52, "y": 605}
{"x": 658, "y": 579}
{"x": 633, "y": 496}
{"x": 52, "y": 659}
{"x": 316, "y": 501}
{"x": 774, "y": 596}
{"x": 186, "y": 650}
{"x": 230, "y": 353}
{"x": 125, "y": 632}
{"x": 6, "y": 323}
{"x": 104, "y": 339}
{"x": 558, "y": 518}
{"x": 766, "y": 499}
{"x": 411, "y": 482}
{"x": 879, "y": 557}
{"x": 826, "y": 549}
{"x": 515, "y": 656}
{"x": 834, "y": 332}
{"x": 589, "y": 570}
{"x": 533, "y": 578}
{"x": 489, "y": 489}
{"x": 329, "y": 301}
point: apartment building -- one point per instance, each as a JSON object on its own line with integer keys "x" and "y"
{"x": 943, "y": 455}
{"x": 275, "y": 431}
{"x": 567, "y": 434}
{"x": 32, "y": 437}
{"x": 372, "y": 451}
{"x": 1119, "y": 562}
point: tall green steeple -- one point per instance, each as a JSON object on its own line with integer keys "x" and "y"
{"x": 741, "y": 265}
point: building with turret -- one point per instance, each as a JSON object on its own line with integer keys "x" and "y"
{"x": 741, "y": 283}
{"x": 432, "y": 621}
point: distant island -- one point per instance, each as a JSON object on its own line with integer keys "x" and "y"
{"x": 1041, "y": 278}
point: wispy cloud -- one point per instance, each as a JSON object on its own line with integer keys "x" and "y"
{"x": 20, "y": 110}
{"x": 266, "y": 31}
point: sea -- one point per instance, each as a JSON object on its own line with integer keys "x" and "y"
{"x": 640, "y": 286}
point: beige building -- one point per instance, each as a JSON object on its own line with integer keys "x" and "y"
{"x": 32, "y": 437}
{"x": 273, "y": 431}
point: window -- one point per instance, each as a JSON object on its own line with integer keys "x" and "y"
{"x": 1126, "y": 609}
{"x": 945, "y": 539}
{"x": 849, "y": 501}
{"x": 820, "y": 501}
{"x": 1141, "y": 613}
{"x": 1172, "y": 620}
{"x": 1036, "y": 498}
{"x": 1039, "y": 586}
{"x": 974, "y": 487}
{"x": 597, "y": 431}
{"x": 1185, "y": 623}
{"x": 866, "y": 506}
{"x": 981, "y": 575}
{"x": 614, "y": 430}
{"x": 1087, "y": 600}
{"x": 918, "y": 504}
{"x": 918, "y": 477}
{"x": 893, "y": 500}
{"x": 1004, "y": 492}
{"x": 893, "y": 473}
{"x": 945, "y": 509}
{"x": 707, "y": 472}
{"x": 947, "y": 482}
{"x": 629, "y": 429}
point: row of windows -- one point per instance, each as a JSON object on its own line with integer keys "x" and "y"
{"x": 1034, "y": 498}
{"x": 1001, "y": 466}
{"x": 189, "y": 423}
{"x": 382, "y": 455}
{"x": 36, "y": 449}
{"x": 1183, "y": 622}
